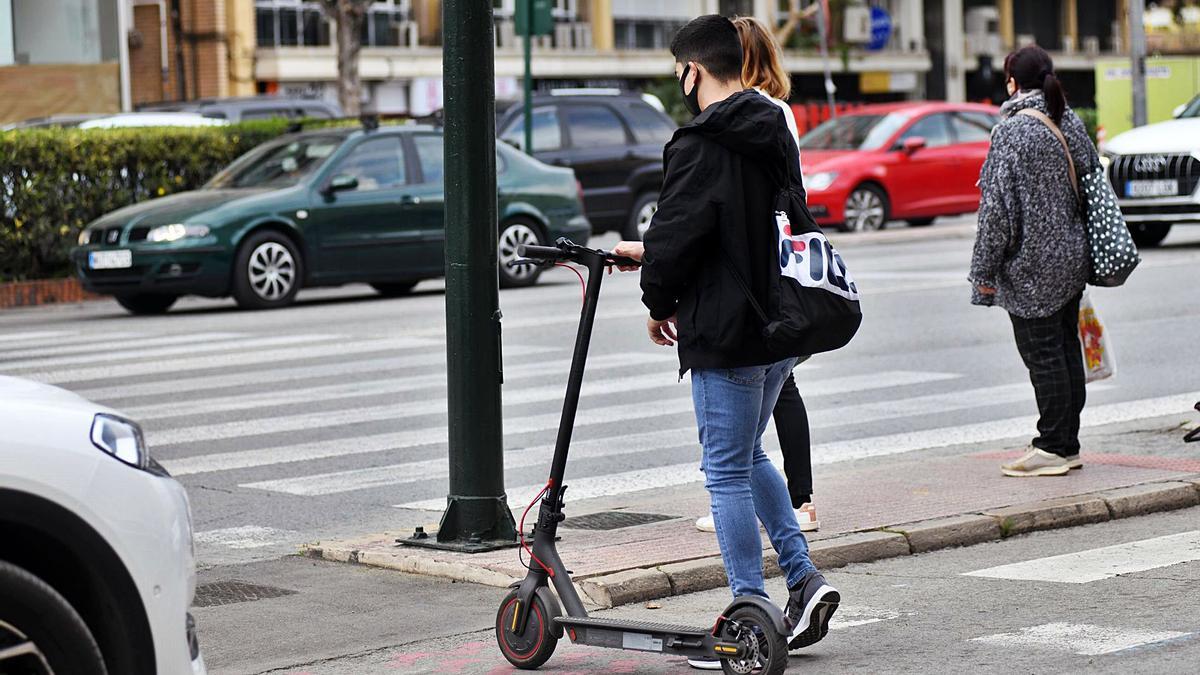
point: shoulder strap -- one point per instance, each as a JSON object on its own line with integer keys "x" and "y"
{"x": 1045, "y": 119}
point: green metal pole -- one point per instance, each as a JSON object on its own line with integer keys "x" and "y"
{"x": 527, "y": 39}
{"x": 477, "y": 515}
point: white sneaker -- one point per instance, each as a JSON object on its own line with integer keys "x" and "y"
{"x": 705, "y": 663}
{"x": 1037, "y": 462}
{"x": 806, "y": 515}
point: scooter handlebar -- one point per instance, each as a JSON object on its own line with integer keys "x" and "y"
{"x": 546, "y": 253}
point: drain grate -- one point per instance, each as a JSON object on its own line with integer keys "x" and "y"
{"x": 233, "y": 591}
{"x": 614, "y": 520}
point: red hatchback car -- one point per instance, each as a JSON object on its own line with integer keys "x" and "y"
{"x": 904, "y": 161}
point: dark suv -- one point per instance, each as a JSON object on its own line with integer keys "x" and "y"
{"x": 613, "y": 141}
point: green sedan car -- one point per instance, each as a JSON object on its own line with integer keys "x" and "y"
{"x": 320, "y": 208}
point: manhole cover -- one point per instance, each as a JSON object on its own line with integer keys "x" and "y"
{"x": 233, "y": 591}
{"x": 614, "y": 520}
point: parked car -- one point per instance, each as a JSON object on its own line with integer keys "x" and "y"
{"x": 240, "y": 109}
{"x": 97, "y": 568}
{"x": 1155, "y": 171}
{"x": 614, "y": 142}
{"x": 906, "y": 161}
{"x": 319, "y": 208}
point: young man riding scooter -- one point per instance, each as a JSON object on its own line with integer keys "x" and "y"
{"x": 712, "y": 234}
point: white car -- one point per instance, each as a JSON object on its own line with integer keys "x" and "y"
{"x": 97, "y": 567}
{"x": 152, "y": 119}
{"x": 1155, "y": 171}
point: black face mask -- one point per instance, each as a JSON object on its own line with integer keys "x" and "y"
{"x": 690, "y": 101}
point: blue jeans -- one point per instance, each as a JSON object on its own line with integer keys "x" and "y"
{"x": 733, "y": 406}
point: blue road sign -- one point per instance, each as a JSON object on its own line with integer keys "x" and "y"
{"x": 881, "y": 28}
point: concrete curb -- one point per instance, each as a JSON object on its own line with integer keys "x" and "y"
{"x": 680, "y": 578}
{"x": 1050, "y": 514}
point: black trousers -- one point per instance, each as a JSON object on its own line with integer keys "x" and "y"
{"x": 791, "y": 423}
{"x": 1050, "y": 348}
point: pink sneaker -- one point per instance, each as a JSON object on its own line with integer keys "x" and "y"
{"x": 806, "y": 515}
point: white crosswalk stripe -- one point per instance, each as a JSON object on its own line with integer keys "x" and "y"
{"x": 1082, "y": 639}
{"x": 34, "y": 336}
{"x": 437, "y": 434}
{"x": 108, "y": 346}
{"x": 1102, "y": 563}
{"x": 173, "y": 350}
{"x": 11, "y": 343}
{"x": 241, "y": 358}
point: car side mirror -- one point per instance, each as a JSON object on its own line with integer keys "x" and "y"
{"x": 341, "y": 183}
{"x": 911, "y": 145}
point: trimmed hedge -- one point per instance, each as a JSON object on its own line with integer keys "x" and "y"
{"x": 55, "y": 181}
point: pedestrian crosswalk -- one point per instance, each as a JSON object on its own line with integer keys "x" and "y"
{"x": 272, "y": 431}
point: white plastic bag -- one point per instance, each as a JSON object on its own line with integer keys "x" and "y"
{"x": 1098, "y": 360}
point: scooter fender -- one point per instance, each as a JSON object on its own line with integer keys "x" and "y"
{"x": 768, "y": 607}
{"x": 549, "y": 601}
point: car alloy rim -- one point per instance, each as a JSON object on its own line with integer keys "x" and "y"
{"x": 18, "y": 653}
{"x": 645, "y": 216}
{"x": 513, "y": 236}
{"x": 272, "y": 271}
{"x": 864, "y": 211}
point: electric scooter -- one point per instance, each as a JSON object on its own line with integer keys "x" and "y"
{"x": 749, "y": 634}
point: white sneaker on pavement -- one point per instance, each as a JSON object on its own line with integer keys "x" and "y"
{"x": 1037, "y": 462}
{"x": 805, "y": 515}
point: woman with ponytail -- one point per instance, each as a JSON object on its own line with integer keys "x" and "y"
{"x": 1031, "y": 250}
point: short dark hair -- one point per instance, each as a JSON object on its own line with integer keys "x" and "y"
{"x": 711, "y": 41}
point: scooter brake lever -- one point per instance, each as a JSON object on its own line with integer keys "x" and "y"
{"x": 529, "y": 261}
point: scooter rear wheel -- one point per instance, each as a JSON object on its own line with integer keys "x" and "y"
{"x": 769, "y": 649}
{"x": 533, "y": 647}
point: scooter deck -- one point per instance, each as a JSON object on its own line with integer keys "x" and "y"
{"x": 648, "y": 627}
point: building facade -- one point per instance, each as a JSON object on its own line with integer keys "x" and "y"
{"x": 64, "y": 56}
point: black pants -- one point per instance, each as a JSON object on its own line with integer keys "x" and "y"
{"x": 1051, "y": 351}
{"x": 791, "y": 423}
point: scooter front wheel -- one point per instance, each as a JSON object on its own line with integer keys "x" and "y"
{"x": 532, "y": 647}
{"x": 767, "y": 649}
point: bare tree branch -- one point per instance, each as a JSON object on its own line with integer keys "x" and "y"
{"x": 348, "y": 17}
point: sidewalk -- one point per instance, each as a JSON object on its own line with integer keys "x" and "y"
{"x": 869, "y": 509}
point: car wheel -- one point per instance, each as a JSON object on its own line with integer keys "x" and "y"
{"x": 919, "y": 222}
{"x": 147, "y": 303}
{"x": 267, "y": 271}
{"x": 513, "y": 235}
{"x": 39, "y": 630}
{"x": 394, "y": 289}
{"x": 866, "y": 209}
{"x": 640, "y": 216}
{"x": 1149, "y": 235}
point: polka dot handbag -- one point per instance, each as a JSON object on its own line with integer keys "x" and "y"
{"x": 1114, "y": 255}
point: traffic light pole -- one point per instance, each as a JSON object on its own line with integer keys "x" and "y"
{"x": 527, "y": 40}
{"x": 477, "y": 517}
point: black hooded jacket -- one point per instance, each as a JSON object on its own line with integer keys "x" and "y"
{"x": 716, "y": 210}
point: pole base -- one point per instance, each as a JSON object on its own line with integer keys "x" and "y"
{"x": 460, "y": 528}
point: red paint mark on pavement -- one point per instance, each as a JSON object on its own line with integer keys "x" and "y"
{"x": 406, "y": 660}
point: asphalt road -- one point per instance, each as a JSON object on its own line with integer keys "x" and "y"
{"x": 1117, "y": 597}
{"x": 327, "y": 419}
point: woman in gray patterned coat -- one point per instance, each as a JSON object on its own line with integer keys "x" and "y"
{"x": 1031, "y": 251}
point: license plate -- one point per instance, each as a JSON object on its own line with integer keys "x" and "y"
{"x": 1152, "y": 188}
{"x": 110, "y": 260}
